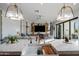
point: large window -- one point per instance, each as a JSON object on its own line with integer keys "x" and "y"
{"x": 69, "y": 29}
{"x": 0, "y": 25}
{"x": 61, "y": 30}
{"x": 66, "y": 29}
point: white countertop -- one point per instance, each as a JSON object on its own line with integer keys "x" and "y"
{"x": 60, "y": 45}
{"x": 21, "y": 46}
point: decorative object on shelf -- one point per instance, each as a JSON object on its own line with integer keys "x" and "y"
{"x": 14, "y": 13}
{"x": 65, "y": 13}
{"x": 12, "y": 39}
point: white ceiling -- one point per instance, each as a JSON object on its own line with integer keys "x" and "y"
{"x": 48, "y": 11}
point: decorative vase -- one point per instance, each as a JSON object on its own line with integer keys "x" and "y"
{"x": 66, "y": 39}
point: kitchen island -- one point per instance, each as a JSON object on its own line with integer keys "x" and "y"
{"x": 17, "y": 49}
{"x": 66, "y": 49}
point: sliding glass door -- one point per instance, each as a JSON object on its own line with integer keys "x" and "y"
{"x": 69, "y": 29}
{"x": 0, "y": 25}
{"x": 66, "y": 29}
{"x": 58, "y": 31}
{"x": 61, "y": 31}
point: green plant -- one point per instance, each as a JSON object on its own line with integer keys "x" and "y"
{"x": 12, "y": 39}
{"x": 76, "y": 31}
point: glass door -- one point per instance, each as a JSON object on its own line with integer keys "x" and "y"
{"x": 58, "y": 31}
{"x": 66, "y": 29}
{"x": 0, "y": 25}
{"x": 76, "y": 29}
{"x": 61, "y": 25}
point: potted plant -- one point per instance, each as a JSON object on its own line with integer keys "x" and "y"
{"x": 76, "y": 31}
{"x": 12, "y": 39}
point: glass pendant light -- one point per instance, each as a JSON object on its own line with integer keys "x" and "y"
{"x": 14, "y": 13}
{"x": 65, "y": 13}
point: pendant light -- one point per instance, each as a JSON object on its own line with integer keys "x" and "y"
{"x": 65, "y": 13}
{"x": 14, "y": 13}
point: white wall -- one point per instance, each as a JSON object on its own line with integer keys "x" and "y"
{"x": 9, "y": 27}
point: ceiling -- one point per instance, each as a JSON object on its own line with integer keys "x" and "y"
{"x": 48, "y": 11}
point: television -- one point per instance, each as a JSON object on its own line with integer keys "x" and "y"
{"x": 39, "y": 28}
